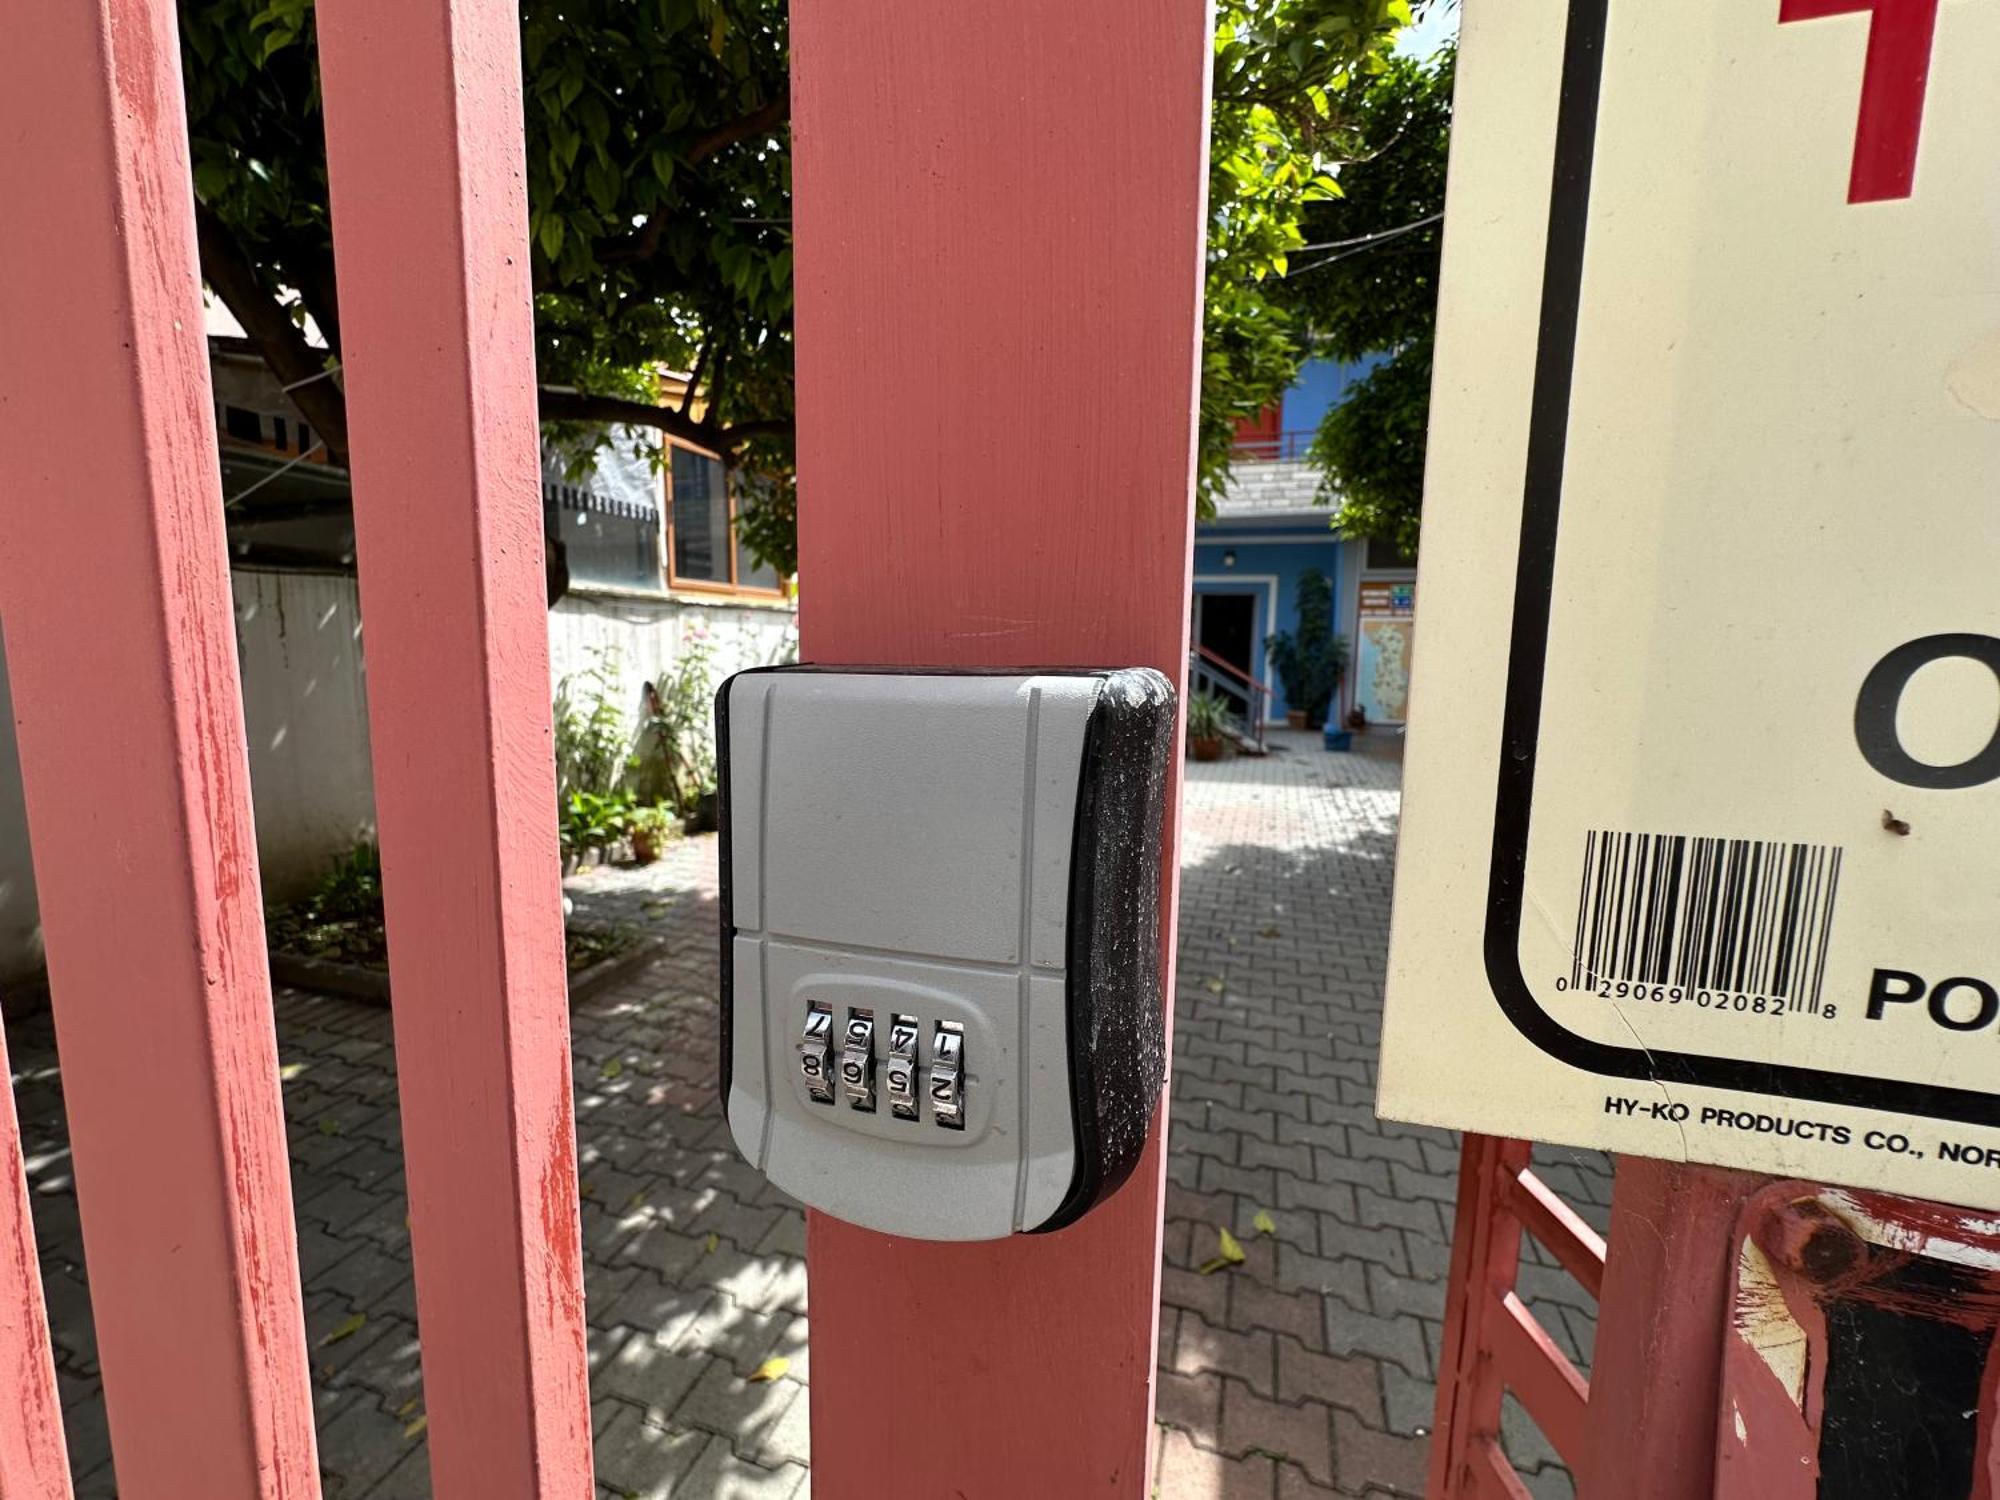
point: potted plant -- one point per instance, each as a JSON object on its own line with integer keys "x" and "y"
{"x": 590, "y": 822}
{"x": 1207, "y": 726}
{"x": 1311, "y": 660}
{"x": 650, "y": 828}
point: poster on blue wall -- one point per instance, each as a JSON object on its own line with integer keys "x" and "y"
{"x": 1387, "y": 633}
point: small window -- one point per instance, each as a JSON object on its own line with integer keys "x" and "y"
{"x": 242, "y": 424}
{"x": 1387, "y": 556}
{"x": 701, "y": 519}
{"x": 703, "y": 550}
{"x": 614, "y": 548}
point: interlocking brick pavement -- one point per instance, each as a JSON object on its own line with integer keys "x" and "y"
{"x": 694, "y": 1266}
{"x": 1310, "y": 1369}
{"x": 1306, "y": 1371}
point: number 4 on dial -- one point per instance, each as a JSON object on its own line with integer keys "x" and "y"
{"x": 1900, "y": 33}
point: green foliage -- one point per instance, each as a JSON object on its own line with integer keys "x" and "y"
{"x": 1207, "y": 716}
{"x": 591, "y": 742}
{"x": 658, "y": 187}
{"x": 251, "y": 74}
{"x": 676, "y": 762}
{"x": 1311, "y": 659}
{"x": 596, "y": 820}
{"x": 1287, "y": 73}
{"x": 352, "y": 885}
{"x": 652, "y": 820}
{"x": 625, "y": 106}
{"x": 767, "y": 508}
{"x": 660, "y": 198}
{"x": 1372, "y": 296}
{"x": 340, "y": 919}
{"x": 1371, "y": 448}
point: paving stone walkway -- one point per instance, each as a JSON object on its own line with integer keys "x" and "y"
{"x": 1308, "y": 1370}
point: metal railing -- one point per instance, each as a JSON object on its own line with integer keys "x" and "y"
{"x": 1210, "y": 673}
{"x": 1271, "y": 447}
{"x": 1492, "y": 1343}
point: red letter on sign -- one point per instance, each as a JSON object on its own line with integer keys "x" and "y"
{"x": 1892, "y": 89}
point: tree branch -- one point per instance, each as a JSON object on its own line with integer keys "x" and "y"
{"x": 694, "y": 375}
{"x": 760, "y": 121}
{"x": 229, "y": 270}
{"x": 738, "y": 433}
{"x": 562, "y": 405}
{"x": 317, "y": 290}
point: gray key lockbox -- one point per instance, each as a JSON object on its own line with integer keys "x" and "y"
{"x": 941, "y": 1008}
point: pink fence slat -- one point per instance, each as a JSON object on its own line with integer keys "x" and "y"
{"x": 1539, "y": 1374}
{"x": 1560, "y": 1228}
{"x": 1491, "y": 1474}
{"x": 32, "y": 1460}
{"x": 999, "y": 252}
{"x": 1656, "y": 1371}
{"x": 425, "y": 153}
{"x": 114, "y": 591}
{"x": 1485, "y": 1258}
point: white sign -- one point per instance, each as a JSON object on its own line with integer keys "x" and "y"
{"x": 1701, "y": 850}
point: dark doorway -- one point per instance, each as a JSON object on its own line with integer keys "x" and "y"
{"x": 1225, "y": 627}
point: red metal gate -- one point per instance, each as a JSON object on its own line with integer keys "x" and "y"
{"x": 1757, "y": 1339}
{"x": 1493, "y": 1344}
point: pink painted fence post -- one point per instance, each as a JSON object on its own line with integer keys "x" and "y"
{"x": 999, "y": 217}
{"x": 1658, "y": 1367}
{"x": 114, "y": 590}
{"x": 425, "y": 154}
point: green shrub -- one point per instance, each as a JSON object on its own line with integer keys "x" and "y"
{"x": 591, "y": 739}
{"x": 1207, "y": 717}
{"x": 1310, "y": 660}
{"x": 676, "y": 761}
{"x": 596, "y": 820}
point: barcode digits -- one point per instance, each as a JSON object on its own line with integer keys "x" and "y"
{"x": 1705, "y": 913}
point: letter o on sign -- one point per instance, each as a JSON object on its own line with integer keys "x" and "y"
{"x": 1988, "y": 1004}
{"x": 1882, "y": 692}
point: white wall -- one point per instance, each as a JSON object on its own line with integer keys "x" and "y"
{"x": 647, "y": 637}
{"x": 305, "y": 710}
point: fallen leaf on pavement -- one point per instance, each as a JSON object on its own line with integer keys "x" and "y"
{"x": 1230, "y": 1253}
{"x": 346, "y": 1330}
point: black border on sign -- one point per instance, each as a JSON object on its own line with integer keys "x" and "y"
{"x": 1534, "y": 582}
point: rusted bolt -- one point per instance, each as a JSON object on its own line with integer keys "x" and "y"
{"x": 1804, "y": 1237}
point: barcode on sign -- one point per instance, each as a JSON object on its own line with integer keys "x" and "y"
{"x": 1706, "y": 914}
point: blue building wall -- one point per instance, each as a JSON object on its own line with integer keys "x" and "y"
{"x": 1268, "y": 562}
{"x": 1321, "y": 385}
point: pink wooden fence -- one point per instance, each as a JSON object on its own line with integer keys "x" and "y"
{"x": 999, "y": 227}
{"x": 114, "y": 592}
{"x": 425, "y": 156}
